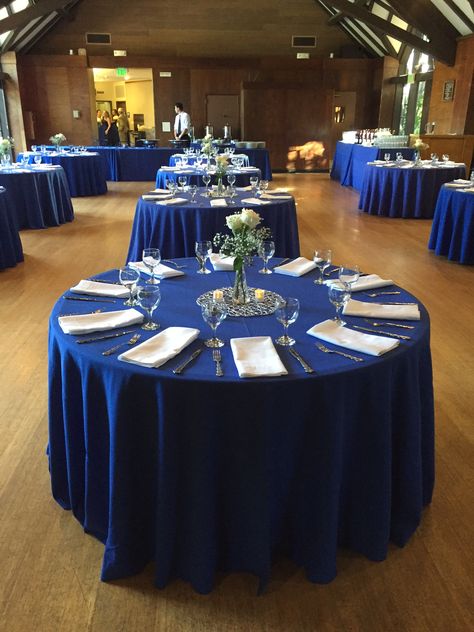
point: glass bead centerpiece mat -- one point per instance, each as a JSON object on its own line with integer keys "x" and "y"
{"x": 252, "y": 308}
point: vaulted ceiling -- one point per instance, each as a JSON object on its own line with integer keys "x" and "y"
{"x": 233, "y": 28}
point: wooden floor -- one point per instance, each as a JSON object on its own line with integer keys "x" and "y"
{"x": 49, "y": 569}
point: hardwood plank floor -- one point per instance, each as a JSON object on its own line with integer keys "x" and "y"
{"x": 49, "y": 579}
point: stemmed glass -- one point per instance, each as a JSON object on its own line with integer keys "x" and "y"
{"x": 232, "y": 193}
{"x": 387, "y": 157}
{"x": 231, "y": 179}
{"x": 129, "y": 278}
{"x": 339, "y": 294}
{"x": 151, "y": 257}
{"x": 286, "y": 313}
{"x": 206, "y": 178}
{"x": 37, "y": 159}
{"x": 434, "y": 158}
{"x": 203, "y": 250}
{"x": 349, "y": 274}
{"x": 182, "y": 181}
{"x": 322, "y": 259}
{"x": 263, "y": 186}
{"x": 193, "y": 190}
{"x": 266, "y": 250}
{"x": 171, "y": 186}
{"x": 149, "y": 297}
{"x": 213, "y": 313}
{"x": 254, "y": 184}
{"x": 445, "y": 158}
{"x": 34, "y": 148}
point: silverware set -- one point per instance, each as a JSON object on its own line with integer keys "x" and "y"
{"x": 388, "y": 324}
{"x": 130, "y": 342}
{"x": 91, "y": 300}
{"x": 179, "y": 369}
{"x": 374, "y": 294}
{"x": 324, "y": 349}
{"x": 116, "y": 334}
{"x": 381, "y": 333}
{"x": 96, "y": 311}
{"x": 216, "y": 356}
{"x": 307, "y": 368}
{"x": 105, "y": 281}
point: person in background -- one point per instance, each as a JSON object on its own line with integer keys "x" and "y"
{"x": 114, "y": 115}
{"x": 182, "y": 124}
{"x": 123, "y": 126}
{"x": 100, "y": 127}
{"x": 111, "y": 131}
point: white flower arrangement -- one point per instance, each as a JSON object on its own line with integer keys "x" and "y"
{"x": 206, "y": 145}
{"x": 245, "y": 239}
{"x": 57, "y": 139}
{"x": 419, "y": 145}
{"x": 6, "y": 145}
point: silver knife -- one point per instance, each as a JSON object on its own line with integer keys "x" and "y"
{"x": 394, "y": 303}
{"x": 82, "y": 341}
{"x": 301, "y": 360}
{"x": 179, "y": 369}
{"x": 381, "y": 333}
{"x": 105, "y": 281}
{"x": 371, "y": 322}
{"x": 94, "y": 300}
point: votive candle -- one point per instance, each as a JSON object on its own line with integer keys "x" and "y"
{"x": 259, "y": 295}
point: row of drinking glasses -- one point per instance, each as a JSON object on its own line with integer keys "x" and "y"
{"x": 399, "y": 157}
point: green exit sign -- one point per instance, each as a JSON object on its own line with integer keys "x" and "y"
{"x": 121, "y": 72}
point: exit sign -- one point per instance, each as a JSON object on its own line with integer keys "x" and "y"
{"x": 121, "y": 72}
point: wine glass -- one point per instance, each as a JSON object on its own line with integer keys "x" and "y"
{"x": 129, "y": 278}
{"x": 203, "y": 250}
{"x": 254, "y": 184}
{"x": 339, "y": 293}
{"x": 322, "y": 259}
{"x": 445, "y": 158}
{"x": 286, "y": 313}
{"x": 387, "y": 156}
{"x": 232, "y": 191}
{"x": 34, "y": 148}
{"x": 37, "y": 159}
{"x": 206, "y": 178}
{"x": 231, "y": 179}
{"x": 266, "y": 250}
{"x": 213, "y": 313}
{"x": 263, "y": 186}
{"x": 193, "y": 190}
{"x": 434, "y": 158}
{"x": 171, "y": 186}
{"x": 398, "y": 157}
{"x": 149, "y": 297}
{"x": 151, "y": 257}
{"x": 182, "y": 181}
{"x": 349, "y": 274}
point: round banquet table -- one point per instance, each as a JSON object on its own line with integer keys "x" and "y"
{"x": 39, "y": 195}
{"x": 194, "y": 176}
{"x": 405, "y": 192}
{"x": 452, "y": 232}
{"x": 85, "y": 172}
{"x": 11, "y": 251}
{"x": 174, "y": 229}
{"x": 201, "y": 474}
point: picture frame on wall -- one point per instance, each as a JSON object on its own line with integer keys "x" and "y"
{"x": 448, "y": 90}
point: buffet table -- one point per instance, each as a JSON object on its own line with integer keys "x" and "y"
{"x": 11, "y": 251}
{"x": 194, "y": 176}
{"x": 39, "y": 195}
{"x": 452, "y": 232}
{"x": 174, "y": 229}
{"x": 203, "y": 474}
{"x": 410, "y": 192}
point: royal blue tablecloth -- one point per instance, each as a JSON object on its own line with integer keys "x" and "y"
{"x": 350, "y": 160}
{"x": 202, "y": 474}
{"x": 85, "y": 173}
{"x": 194, "y": 176}
{"x": 11, "y": 251}
{"x": 259, "y": 158}
{"x": 40, "y": 196}
{"x": 408, "y": 193}
{"x": 128, "y": 164}
{"x": 175, "y": 229}
{"x": 452, "y": 232}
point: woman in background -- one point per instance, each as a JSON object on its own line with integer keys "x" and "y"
{"x": 111, "y": 131}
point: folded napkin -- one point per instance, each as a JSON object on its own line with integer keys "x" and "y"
{"x": 377, "y": 162}
{"x": 249, "y": 188}
{"x": 249, "y": 169}
{"x": 455, "y": 185}
{"x": 296, "y": 268}
{"x": 159, "y": 191}
{"x": 166, "y": 202}
{"x": 378, "y": 310}
{"x": 367, "y": 282}
{"x": 184, "y": 170}
{"x": 160, "y": 348}
{"x": 87, "y": 323}
{"x": 218, "y": 202}
{"x": 156, "y": 196}
{"x": 330, "y": 331}
{"x": 273, "y": 196}
{"x": 462, "y": 181}
{"x": 221, "y": 263}
{"x": 256, "y": 201}
{"x": 165, "y": 168}
{"x": 256, "y": 357}
{"x": 469, "y": 190}
{"x": 161, "y": 271}
{"x": 93, "y": 288}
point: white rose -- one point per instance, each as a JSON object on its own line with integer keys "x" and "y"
{"x": 250, "y": 218}
{"x": 234, "y": 222}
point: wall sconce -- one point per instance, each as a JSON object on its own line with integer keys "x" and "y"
{"x": 339, "y": 113}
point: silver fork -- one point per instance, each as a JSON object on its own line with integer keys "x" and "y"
{"x": 374, "y": 294}
{"x": 132, "y": 341}
{"x": 216, "y": 356}
{"x": 345, "y": 355}
{"x": 177, "y": 265}
{"x": 367, "y": 320}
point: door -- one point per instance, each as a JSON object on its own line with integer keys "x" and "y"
{"x": 223, "y": 109}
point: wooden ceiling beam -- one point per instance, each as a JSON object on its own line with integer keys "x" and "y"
{"x": 460, "y": 14}
{"x": 427, "y": 19}
{"x": 21, "y": 19}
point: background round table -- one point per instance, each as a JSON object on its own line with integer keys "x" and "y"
{"x": 11, "y": 251}
{"x": 192, "y": 159}
{"x": 202, "y": 474}
{"x": 452, "y": 232}
{"x": 174, "y": 229}
{"x": 404, "y": 192}
{"x": 194, "y": 176}
{"x": 40, "y": 195}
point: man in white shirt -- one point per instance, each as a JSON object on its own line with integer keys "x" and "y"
{"x": 182, "y": 123}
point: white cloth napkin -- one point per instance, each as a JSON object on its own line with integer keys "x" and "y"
{"x": 93, "y": 288}
{"x": 161, "y": 271}
{"x": 256, "y": 201}
{"x": 160, "y": 348}
{"x": 155, "y": 196}
{"x": 296, "y": 268}
{"x": 88, "y": 323}
{"x": 377, "y": 162}
{"x": 248, "y": 188}
{"x": 167, "y": 202}
{"x": 221, "y": 263}
{"x": 330, "y": 331}
{"x": 377, "y": 310}
{"x": 218, "y": 202}
{"x": 165, "y": 168}
{"x": 160, "y": 191}
{"x": 462, "y": 181}
{"x": 256, "y": 357}
{"x": 273, "y": 196}
{"x": 248, "y": 169}
{"x": 367, "y": 282}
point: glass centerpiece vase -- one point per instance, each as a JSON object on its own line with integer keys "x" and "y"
{"x": 6, "y": 145}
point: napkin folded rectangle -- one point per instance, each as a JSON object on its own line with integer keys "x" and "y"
{"x": 165, "y": 168}
{"x": 330, "y": 331}
{"x": 367, "y": 282}
{"x": 462, "y": 181}
{"x": 275, "y": 196}
{"x": 256, "y": 357}
{"x": 161, "y": 271}
{"x": 94, "y": 288}
{"x": 256, "y": 201}
{"x": 221, "y": 263}
{"x": 218, "y": 202}
{"x": 156, "y": 196}
{"x": 172, "y": 201}
{"x": 158, "y": 190}
{"x": 88, "y": 323}
{"x": 296, "y": 268}
{"x": 248, "y": 188}
{"x": 160, "y": 348}
{"x": 378, "y": 310}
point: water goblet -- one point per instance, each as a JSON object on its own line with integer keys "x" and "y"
{"x": 254, "y": 184}
{"x": 231, "y": 177}
{"x": 151, "y": 257}
{"x": 129, "y": 278}
{"x": 149, "y": 297}
{"x": 203, "y": 250}
{"x": 266, "y": 250}
{"x": 178, "y": 163}
{"x": 286, "y": 313}
{"x": 24, "y": 160}
{"x": 445, "y": 158}
{"x": 193, "y": 190}
{"x": 185, "y": 160}
{"x": 213, "y": 313}
{"x": 339, "y": 294}
{"x": 398, "y": 157}
{"x": 182, "y": 181}
{"x": 37, "y": 159}
{"x": 43, "y": 149}
{"x": 322, "y": 259}
{"x": 198, "y": 161}
{"x": 434, "y": 158}
{"x": 263, "y": 186}
{"x": 349, "y": 274}
{"x": 206, "y": 178}
{"x": 387, "y": 156}
{"x": 171, "y": 186}
{"x": 232, "y": 191}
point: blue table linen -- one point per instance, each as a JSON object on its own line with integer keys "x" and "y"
{"x": 452, "y": 231}
{"x": 11, "y": 251}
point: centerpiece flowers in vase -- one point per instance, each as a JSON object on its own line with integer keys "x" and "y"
{"x": 57, "y": 139}
{"x": 221, "y": 169}
{"x": 206, "y": 146}
{"x": 6, "y": 145}
{"x": 242, "y": 244}
{"x": 419, "y": 146}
